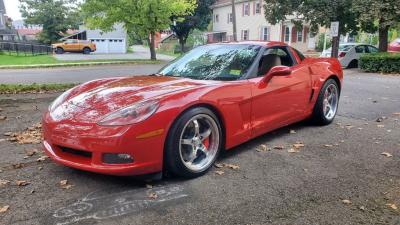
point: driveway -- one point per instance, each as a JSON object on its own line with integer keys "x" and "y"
{"x": 339, "y": 177}
{"x": 139, "y": 52}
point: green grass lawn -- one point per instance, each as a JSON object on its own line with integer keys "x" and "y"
{"x": 11, "y": 60}
{"x": 33, "y": 88}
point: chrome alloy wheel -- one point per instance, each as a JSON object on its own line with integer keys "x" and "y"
{"x": 199, "y": 142}
{"x": 330, "y": 102}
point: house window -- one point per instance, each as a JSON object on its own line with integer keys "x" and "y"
{"x": 258, "y": 8}
{"x": 245, "y": 35}
{"x": 287, "y": 34}
{"x": 265, "y": 34}
{"x": 216, "y": 18}
{"x": 299, "y": 35}
{"x": 246, "y": 9}
{"x": 230, "y": 18}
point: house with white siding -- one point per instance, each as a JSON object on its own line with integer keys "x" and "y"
{"x": 252, "y": 25}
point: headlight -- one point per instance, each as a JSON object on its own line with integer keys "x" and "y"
{"x": 131, "y": 114}
{"x": 59, "y": 100}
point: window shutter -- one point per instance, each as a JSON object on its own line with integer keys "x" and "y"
{"x": 269, "y": 33}
{"x": 243, "y": 9}
{"x": 283, "y": 34}
{"x": 305, "y": 34}
{"x": 254, "y": 8}
{"x": 294, "y": 34}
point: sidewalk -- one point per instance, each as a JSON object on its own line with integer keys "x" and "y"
{"x": 139, "y": 52}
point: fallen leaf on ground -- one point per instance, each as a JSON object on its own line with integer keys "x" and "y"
{"x": 292, "y": 150}
{"x": 298, "y": 145}
{"x": 362, "y": 208}
{"x": 219, "y": 172}
{"x": 40, "y": 168}
{"x": 387, "y": 154}
{"x": 232, "y": 166}
{"x": 64, "y": 184}
{"x": 4, "y": 182}
{"x": 17, "y": 165}
{"x": 263, "y": 148}
{"x": 149, "y": 186}
{"x": 4, "y": 209}
{"x": 279, "y": 147}
{"x": 346, "y": 201}
{"x": 380, "y": 126}
{"x": 42, "y": 158}
{"x": 32, "y": 135}
{"x": 392, "y": 206}
{"x": 396, "y": 113}
{"x": 32, "y": 152}
{"x": 22, "y": 182}
{"x": 380, "y": 119}
{"x": 328, "y": 145}
{"x": 292, "y": 131}
{"x": 349, "y": 127}
{"x": 3, "y": 117}
{"x": 218, "y": 165}
{"x": 152, "y": 195}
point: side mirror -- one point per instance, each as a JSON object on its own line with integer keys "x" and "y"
{"x": 275, "y": 72}
{"x": 279, "y": 71}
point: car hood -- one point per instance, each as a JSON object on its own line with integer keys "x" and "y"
{"x": 94, "y": 103}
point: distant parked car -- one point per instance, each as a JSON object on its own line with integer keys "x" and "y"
{"x": 394, "y": 46}
{"x": 350, "y": 53}
{"x": 74, "y": 45}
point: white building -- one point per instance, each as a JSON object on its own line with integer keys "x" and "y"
{"x": 252, "y": 25}
{"x": 115, "y": 41}
{"x": 6, "y": 33}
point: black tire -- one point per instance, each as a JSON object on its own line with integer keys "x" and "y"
{"x": 59, "y": 50}
{"x": 172, "y": 158}
{"x": 318, "y": 116}
{"x": 353, "y": 64}
{"x": 87, "y": 51}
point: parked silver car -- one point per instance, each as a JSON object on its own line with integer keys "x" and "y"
{"x": 349, "y": 53}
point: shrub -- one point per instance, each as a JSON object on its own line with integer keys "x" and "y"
{"x": 380, "y": 62}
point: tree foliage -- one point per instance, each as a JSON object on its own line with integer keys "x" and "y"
{"x": 200, "y": 19}
{"x": 56, "y": 17}
{"x": 316, "y": 12}
{"x": 143, "y": 17}
{"x": 378, "y": 15}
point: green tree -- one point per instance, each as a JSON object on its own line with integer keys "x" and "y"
{"x": 200, "y": 19}
{"x": 143, "y": 17}
{"x": 378, "y": 15}
{"x": 319, "y": 13}
{"x": 56, "y": 17}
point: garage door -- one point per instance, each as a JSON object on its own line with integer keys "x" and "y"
{"x": 110, "y": 45}
{"x": 116, "y": 46}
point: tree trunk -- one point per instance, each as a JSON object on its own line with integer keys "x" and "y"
{"x": 335, "y": 47}
{"x": 383, "y": 38}
{"x": 153, "y": 55}
{"x": 182, "y": 43}
{"x": 234, "y": 21}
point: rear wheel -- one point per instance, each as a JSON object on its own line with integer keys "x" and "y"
{"x": 353, "y": 64}
{"x": 193, "y": 143}
{"x": 325, "y": 108}
{"x": 86, "y": 51}
{"x": 59, "y": 50}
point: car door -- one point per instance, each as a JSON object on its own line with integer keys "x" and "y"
{"x": 283, "y": 99}
{"x": 360, "y": 49}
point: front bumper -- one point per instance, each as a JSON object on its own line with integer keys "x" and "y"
{"x": 89, "y": 142}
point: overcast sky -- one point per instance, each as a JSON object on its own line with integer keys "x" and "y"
{"x": 12, "y": 9}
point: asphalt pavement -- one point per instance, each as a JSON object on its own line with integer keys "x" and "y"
{"x": 339, "y": 177}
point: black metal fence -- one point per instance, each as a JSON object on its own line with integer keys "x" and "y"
{"x": 22, "y": 48}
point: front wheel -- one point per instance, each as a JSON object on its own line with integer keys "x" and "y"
{"x": 86, "y": 51}
{"x": 325, "y": 108}
{"x": 193, "y": 143}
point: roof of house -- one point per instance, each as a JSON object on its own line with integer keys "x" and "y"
{"x": 7, "y": 32}
{"x": 220, "y": 3}
{"x": 27, "y": 31}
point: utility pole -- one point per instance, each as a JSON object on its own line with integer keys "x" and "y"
{"x": 234, "y": 21}
{"x": 335, "y": 39}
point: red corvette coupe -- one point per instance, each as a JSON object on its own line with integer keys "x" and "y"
{"x": 215, "y": 97}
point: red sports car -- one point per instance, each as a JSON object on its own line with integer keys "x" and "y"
{"x": 394, "y": 46}
{"x": 213, "y": 98}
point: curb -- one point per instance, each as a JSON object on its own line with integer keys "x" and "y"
{"x": 78, "y": 64}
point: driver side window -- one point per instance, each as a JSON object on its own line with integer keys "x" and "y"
{"x": 277, "y": 56}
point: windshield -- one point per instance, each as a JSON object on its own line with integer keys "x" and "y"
{"x": 214, "y": 62}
